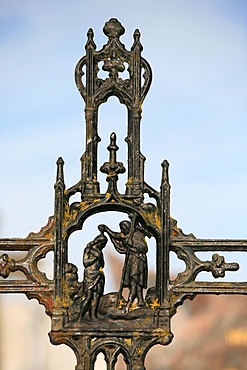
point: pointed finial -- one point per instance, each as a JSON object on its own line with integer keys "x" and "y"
{"x": 165, "y": 172}
{"x": 60, "y": 164}
{"x": 113, "y": 148}
{"x": 113, "y": 138}
{"x": 90, "y": 34}
{"x": 90, "y": 41}
{"x": 137, "y": 36}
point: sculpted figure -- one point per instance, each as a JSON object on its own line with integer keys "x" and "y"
{"x": 131, "y": 242}
{"x": 94, "y": 279}
{"x": 71, "y": 278}
{"x": 74, "y": 289}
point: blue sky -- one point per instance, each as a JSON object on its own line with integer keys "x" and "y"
{"x": 194, "y": 115}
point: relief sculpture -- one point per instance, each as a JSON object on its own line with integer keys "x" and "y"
{"x": 88, "y": 301}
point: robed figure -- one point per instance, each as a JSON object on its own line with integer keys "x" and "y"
{"x": 131, "y": 242}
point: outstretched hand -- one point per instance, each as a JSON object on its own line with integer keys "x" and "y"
{"x": 102, "y": 228}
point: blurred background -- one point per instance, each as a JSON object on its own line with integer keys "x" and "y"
{"x": 194, "y": 116}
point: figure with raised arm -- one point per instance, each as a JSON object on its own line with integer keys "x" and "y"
{"x": 131, "y": 242}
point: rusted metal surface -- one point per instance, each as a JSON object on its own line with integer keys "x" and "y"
{"x": 83, "y": 316}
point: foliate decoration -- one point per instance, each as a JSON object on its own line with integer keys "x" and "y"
{"x": 218, "y": 267}
{"x": 194, "y": 265}
{"x": 84, "y": 316}
{"x": 35, "y": 284}
{"x": 27, "y": 265}
{"x": 46, "y": 232}
{"x": 178, "y": 232}
{"x": 113, "y": 29}
{"x": 7, "y": 265}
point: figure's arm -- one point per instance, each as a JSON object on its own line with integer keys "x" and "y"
{"x": 88, "y": 257}
{"x": 117, "y": 239}
{"x": 113, "y": 234}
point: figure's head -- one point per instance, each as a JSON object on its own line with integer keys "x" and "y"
{"x": 70, "y": 268}
{"x": 125, "y": 227}
{"x": 100, "y": 241}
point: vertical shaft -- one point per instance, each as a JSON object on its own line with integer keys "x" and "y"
{"x": 165, "y": 234}
{"x": 59, "y": 209}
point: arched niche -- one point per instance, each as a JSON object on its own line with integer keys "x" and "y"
{"x": 112, "y": 118}
{"x": 100, "y": 362}
{"x": 87, "y": 230}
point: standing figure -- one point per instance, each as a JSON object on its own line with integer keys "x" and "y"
{"x": 131, "y": 241}
{"x": 94, "y": 279}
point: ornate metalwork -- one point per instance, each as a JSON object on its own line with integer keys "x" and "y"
{"x": 83, "y": 316}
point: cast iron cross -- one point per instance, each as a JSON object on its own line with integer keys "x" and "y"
{"x": 83, "y": 315}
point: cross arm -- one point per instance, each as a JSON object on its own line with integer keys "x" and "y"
{"x": 185, "y": 284}
{"x": 32, "y": 281}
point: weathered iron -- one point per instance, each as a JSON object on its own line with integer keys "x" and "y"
{"x": 83, "y": 316}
